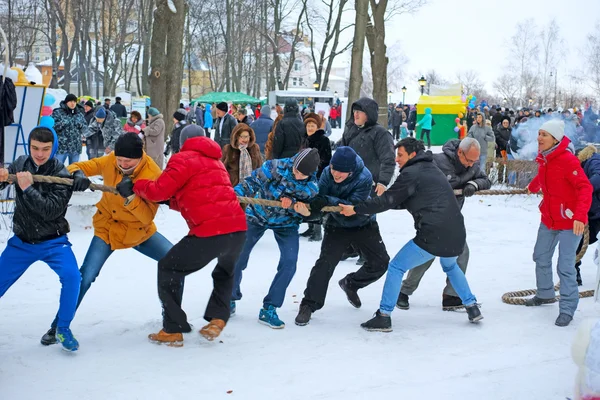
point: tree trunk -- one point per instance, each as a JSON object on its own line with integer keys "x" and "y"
{"x": 358, "y": 48}
{"x": 379, "y": 60}
{"x": 167, "y": 51}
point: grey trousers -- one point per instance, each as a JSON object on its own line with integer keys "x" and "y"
{"x": 411, "y": 283}
{"x": 545, "y": 245}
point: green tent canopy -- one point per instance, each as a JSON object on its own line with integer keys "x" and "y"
{"x": 228, "y": 97}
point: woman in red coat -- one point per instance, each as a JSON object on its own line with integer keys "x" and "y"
{"x": 567, "y": 198}
{"x": 196, "y": 183}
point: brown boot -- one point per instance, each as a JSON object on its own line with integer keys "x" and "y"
{"x": 213, "y": 329}
{"x": 170, "y": 339}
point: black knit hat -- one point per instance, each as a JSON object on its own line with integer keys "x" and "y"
{"x": 89, "y": 103}
{"x": 307, "y": 161}
{"x": 70, "y": 97}
{"x": 179, "y": 115}
{"x": 129, "y": 145}
{"x": 222, "y": 106}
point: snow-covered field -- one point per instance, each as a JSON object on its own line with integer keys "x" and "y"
{"x": 515, "y": 353}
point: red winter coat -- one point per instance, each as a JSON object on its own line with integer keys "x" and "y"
{"x": 567, "y": 191}
{"x": 333, "y": 113}
{"x": 198, "y": 186}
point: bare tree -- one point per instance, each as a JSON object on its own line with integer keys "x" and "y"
{"x": 472, "y": 84}
{"x": 508, "y": 87}
{"x": 551, "y": 46}
{"x": 592, "y": 58}
{"x": 358, "y": 48}
{"x": 524, "y": 51}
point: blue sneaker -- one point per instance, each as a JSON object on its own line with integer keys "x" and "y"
{"x": 66, "y": 338}
{"x": 268, "y": 316}
{"x": 231, "y": 308}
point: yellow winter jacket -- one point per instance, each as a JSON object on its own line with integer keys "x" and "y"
{"x": 119, "y": 225}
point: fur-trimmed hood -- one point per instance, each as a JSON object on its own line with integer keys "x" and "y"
{"x": 587, "y": 153}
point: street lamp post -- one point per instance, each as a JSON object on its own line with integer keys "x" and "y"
{"x": 316, "y": 85}
{"x": 422, "y": 83}
{"x": 403, "y": 94}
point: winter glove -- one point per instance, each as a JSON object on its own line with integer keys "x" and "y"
{"x": 80, "y": 181}
{"x": 125, "y": 187}
{"x": 469, "y": 190}
{"x": 318, "y": 203}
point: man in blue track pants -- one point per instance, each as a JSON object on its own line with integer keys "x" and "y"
{"x": 40, "y": 228}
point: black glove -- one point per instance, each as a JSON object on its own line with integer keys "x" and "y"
{"x": 318, "y": 203}
{"x": 469, "y": 190}
{"x": 125, "y": 187}
{"x": 80, "y": 181}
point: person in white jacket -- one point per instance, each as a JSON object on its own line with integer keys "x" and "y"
{"x": 483, "y": 134}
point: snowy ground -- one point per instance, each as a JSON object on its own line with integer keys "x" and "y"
{"x": 515, "y": 353}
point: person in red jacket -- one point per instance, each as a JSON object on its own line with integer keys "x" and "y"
{"x": 567, "y": 198}
{"x": 197, "y": 184}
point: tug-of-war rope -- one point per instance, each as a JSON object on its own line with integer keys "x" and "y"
{"x": 514, "y": 298}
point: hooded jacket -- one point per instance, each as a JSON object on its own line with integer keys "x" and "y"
{"x": 231, "y": 155}
{"x": 208, "y": 119}
{"x": 262, "y": 126}
{"x": 154, "y": 138}
{"x": 355, "y": 189}
{"x": 424, "y": 191}
{"x": 457, "y": 174}
{"x": 289, "y": 132}
{"x": 372, "y": 142}
{"x": 40, "y": 210}
{"x": 425, "y": 122}
{"x": 590, "y": 162}
{"x": 273, "y": 181}
{"x": 110, "y": 129}
{"x": 118, "y": 225}
{"x": 319, "y": 141}
{"x": 502, "y": 139}
{"x": 70, "y": 126}
{"x": 566, "y": 189}
{"x": 196, "y": 184}
{"x": 483, "y": 134}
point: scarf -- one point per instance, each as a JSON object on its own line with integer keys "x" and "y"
{"x": 245, "y": 163}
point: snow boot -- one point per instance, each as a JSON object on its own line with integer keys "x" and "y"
{"x": 579, "y": 281}
{"x": 402, "y": 302}
{"x": 66, "y": 338}
{"x": 232, "y": 308}
{"x": 316, "y": 235}
{"x": 49, "y": 337}
{"x": 213, "y": 329}
{"x": 268, "y": 316}
{"x": 450, "y": 303}
{"x": 308, "y": 233}
{"x": 304, "y": 315}
{"x": 474, "y": 313}
{"x": 563, "y": 320}
{"x": 379, "y": 323}
{"x": 351, "y": 293}
{"x": 537, "y": 301}
{"x": 170, "y": 339}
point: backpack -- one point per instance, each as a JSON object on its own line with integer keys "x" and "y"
{"x": 432, "y": 122}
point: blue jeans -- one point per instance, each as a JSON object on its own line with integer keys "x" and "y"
{"x": 288, "y": 241}
{"x": 155, "y": 247}
{"x": 57, "y": 253}
{"x": 411, "y": 256}
{"x": 73, "y": 157}
{"x": 482, "y": 161}
{"x": 545, "y": 245}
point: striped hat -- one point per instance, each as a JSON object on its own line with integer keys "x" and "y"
{"x": 307, "y": 161}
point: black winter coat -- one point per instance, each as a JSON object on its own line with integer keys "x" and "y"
{"x": 119, "y": 110}
{"x": 502, "y": 138}
{"x": 320, "y": 142}
{"x": 89, "y": 116}
{"x": 40, "y": 209}
{"x": 412, "y": 120}
{"x": 457, "y": 174}
{"x": 396, "y": 118}
{"x": 224, "y": 137}
{"x": 373, "y": 143}
{"x": 423, "y": 190}
{"x": 289, "y": 133}
{"x": 175, "y": 134}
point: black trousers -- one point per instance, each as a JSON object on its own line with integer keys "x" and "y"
{"x": 367, "y": 240}
{"x": 192, "y": 254}
{"x": 428, "y": 133}
{"x": 396, "y": 132}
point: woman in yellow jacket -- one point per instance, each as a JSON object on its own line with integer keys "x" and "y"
{"x": 121, "y": 222}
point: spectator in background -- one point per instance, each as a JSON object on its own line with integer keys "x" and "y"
{"x": 224, "y": 125}
{"x": 94, "y": 146}
{"x": 107, "y": 103}
{"x": 242, "y": 155}
{"x": 154, "y": 137}
{"x": 290, "y": 132}
{"x": 208, "y": 119}
{"x": 262, "y": 126}
{"x": 179, "y": 123}
{"x": 333, "y": 112}
{"x": 199, "y": 112}
{"x": 497, "y": 118}
{"x": 396, "y": 122}
{"x": 426, "y": 124}
{"x": 70, "y": 127}
{"x": 325, "y": 124}
{"x": 483, "y": 134}
{"x": 135, "y": 124}
{"x": 119, "y": 109}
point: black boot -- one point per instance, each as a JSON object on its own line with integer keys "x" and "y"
{"x": 579, "y": 281}
{"x": 450, "y": 302}
{"x": 304, "y": 315}
{"x": 308, "y": 232}
{"x": 316, "y": 235}
{"x": 351, "y": 293}
{"x": 49, "y": 337}
{"x": 379, "y": 323}
{"x": 537, "y": 301}
{"x": 402, "y": 302}
{"x": 474, "y": 313}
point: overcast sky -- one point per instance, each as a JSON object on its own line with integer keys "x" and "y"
{"x": 451, "y": 35}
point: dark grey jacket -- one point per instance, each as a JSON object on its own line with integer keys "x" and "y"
{"x": 458, "y": 175}
{"x": 373, "y": 143}
{"x": 224, "y": 137}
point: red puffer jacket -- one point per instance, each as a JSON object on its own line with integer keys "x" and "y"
{"x": 567, "y": 191}
{"x": 198, "y": 186}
